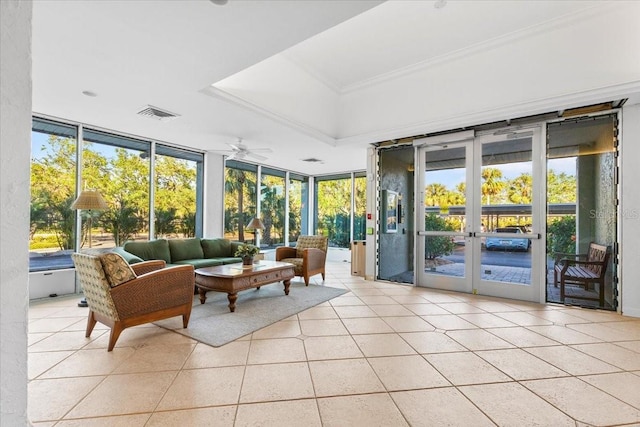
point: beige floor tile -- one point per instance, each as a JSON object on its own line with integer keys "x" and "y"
{"x": 449, "y": 322}
{"x": 478, "y": 339}
{"x": 597, "y": 315}
{"x": 37, "y": 337}
{"x": 55, "y": 324}
{"x": 465, "y": 368}
{"x": 376, "y": 345}
{"x": 428, "y": 408}
{"x": 156, "y": 358}
{"x": 40, "y": 362}
{"x": 349, "y": 311}
{"x": 572, "y": 361}
{"x": 563, "y": 334}
{"x": 346, "y": 300}
{"x": 605, "y": 333}
{"x": 623, "y": 385}
{"x": 140, "y": 336}
{"x": 364, "y": 410}
{"x": 342, "y": 377}
{"x": 486, "y": 320}
{"x": 460, "y": 308}
{"x": 264, "y": 383}
{"x": 137, "y": 420}
{"x": 399, "y": 290}
{"x": 204, "y": 356}
{"x": 407, "y": 373}
{"x": 279, "y": 350}
{"x": 282, "y": 329}
{"x": 426, "y": 309}
{"x": 409, "y": 299}
{"x": 335, "y": 347}
{"x": 432, "y": 342}
{"x": 522, "y": 337}
{"x": 222, "y": 416}
{"x": 520, "y": 365}
{"x": 203, "y": 387}
{"x": 360, "y": 292}
{"x": 493, "y": 306}
{"x": 391, "y": 310}
{"x": 323, "y": 327}
{"x": 558, "y": 317}
{"x": 442, "y": 297}
{"x": 522, "y": 318}
{"x": 377, "y": 300}
{"x": 613, "y": 354}
{"x": 630, "y": 345}
{"x": 317, "y": 312}
{"x": 46, "y": 401}
{"x": 366, "y": 325}
{"x": 85, "y": 363}
{"x": 124, "y": 394}
{"x": 62, "y": 341}
{"x": 408, "y": 324}
{"x": 593, "y": 407}
{"x": 279, "y": 414}
{"x": 510, "y": 404}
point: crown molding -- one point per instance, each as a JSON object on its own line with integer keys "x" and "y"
{"x": 286, "y": 121}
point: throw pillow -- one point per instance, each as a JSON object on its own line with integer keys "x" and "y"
{"x": 116, "y": 269}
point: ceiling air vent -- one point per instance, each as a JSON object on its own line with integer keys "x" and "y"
{"x": 312, "y": 160}
{"x": 157, "y": 113}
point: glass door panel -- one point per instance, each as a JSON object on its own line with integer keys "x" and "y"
{"x": 581, "y": 209}
{"x": 505, "y": 191}
{"x": 443, "y": 223}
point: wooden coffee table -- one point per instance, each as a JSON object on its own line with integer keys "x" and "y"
{"x": 232, "y": 278}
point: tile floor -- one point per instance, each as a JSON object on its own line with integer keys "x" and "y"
{"x": 381, "y": 355}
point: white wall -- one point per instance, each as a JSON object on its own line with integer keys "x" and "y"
{"x": 213, "y": 196}
{"x": 15, "y": 152}
{"x": 630, "y": 210}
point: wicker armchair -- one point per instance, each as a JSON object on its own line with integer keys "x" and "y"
{"x": 308, "y": 256}
{"x": 156, "y": 293}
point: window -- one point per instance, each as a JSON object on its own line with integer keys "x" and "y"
{"x": 53, "y": 189}
{"x": 298, "y": 207}
{"x": 360, "y": 203}
{"x": 272, "y": 207}
{"x": 333, "y": 209}
{"x": 239, "y": 199}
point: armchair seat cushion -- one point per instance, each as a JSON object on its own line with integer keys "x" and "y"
{"x": 297, "y": 263}
{"x": 116, "y": 269}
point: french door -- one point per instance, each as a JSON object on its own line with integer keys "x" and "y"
{"x": 479, "y": 216}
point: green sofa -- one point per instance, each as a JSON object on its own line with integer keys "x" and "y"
{"x": 196, "y": 252}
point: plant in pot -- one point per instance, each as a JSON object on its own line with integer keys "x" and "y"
{"x": 247, "y": 252}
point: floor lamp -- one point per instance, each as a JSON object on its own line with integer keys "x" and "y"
{"x": 256, "y": 225}
{"x": 89, "y": 200}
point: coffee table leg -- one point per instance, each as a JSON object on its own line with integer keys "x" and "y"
{"x": 203, "y": 295}
{"x": 232, "y": 301}
{"x": 286, "y": 286}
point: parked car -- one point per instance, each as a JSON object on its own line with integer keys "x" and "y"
{"x": 508, "y": 243}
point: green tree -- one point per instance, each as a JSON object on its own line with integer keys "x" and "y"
{"x": 520, "y": 189}
{"x": 334, "y": 210}
{"x": 492, "y": 184}
{"x": 165, "y": 222}
{"x": 122, "y": 221}
{"x": 561, "y": 235}
{"x": 240, "y": 191}
{"x": 561, "y": 188}
{"x": 435, "y": 194}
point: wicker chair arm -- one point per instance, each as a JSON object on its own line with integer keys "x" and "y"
{"x": 148, "y": 266}
{"x": 313, "y": 258}
{"x": 157, "y": 290}
{"x": 283, "y": 252}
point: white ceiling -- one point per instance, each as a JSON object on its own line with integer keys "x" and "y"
{"x": 324, "y": 79}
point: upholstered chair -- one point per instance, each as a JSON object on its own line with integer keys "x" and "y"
{"x": 308, "y": 256}
{"x": 120, "y": 295}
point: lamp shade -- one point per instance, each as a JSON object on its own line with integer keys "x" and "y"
{"x": 255, "y": 224}
{"x": 89, "y": 200}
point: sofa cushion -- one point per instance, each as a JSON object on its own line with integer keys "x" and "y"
{"x": 153, "y": 249}
{"x": 129, "y": 257}
{"x": 310, "y": 242}
{"x": 216, "y": 248}
{"x": 116, "y": 269}
{"x": 200, "y": 262}
{"x": 230, "y": 260}
{"x": 182, "y": 249}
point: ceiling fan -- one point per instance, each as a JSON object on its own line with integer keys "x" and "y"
{"x": 240, "y": 151}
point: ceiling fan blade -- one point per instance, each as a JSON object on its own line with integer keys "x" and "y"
{"x": 261, "y": 150}
{"x": 235, "y": 147}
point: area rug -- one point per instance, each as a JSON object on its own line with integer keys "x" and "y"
{"x": 212, "y": 323}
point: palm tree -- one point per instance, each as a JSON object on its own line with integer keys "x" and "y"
{"x": 434, "y": 193}
{"x": 493, "y": 183}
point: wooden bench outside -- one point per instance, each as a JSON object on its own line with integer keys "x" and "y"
{"x": 582, "y": 270}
